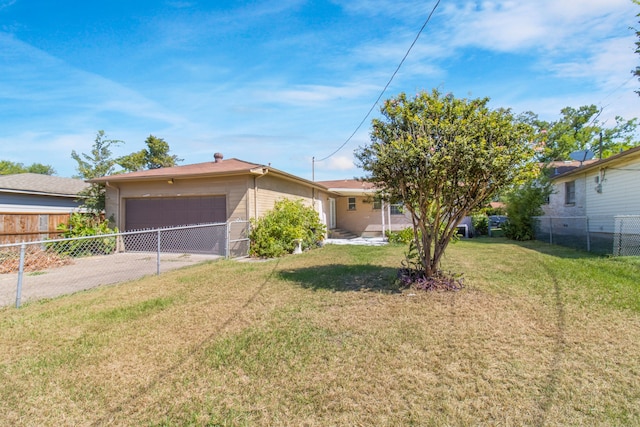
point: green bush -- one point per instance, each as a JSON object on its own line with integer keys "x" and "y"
{"x": 84, "y": 225}
{"x": 480, "y": 224}
{"x": 275, "y": 233}
{"x": 400, "y": 237}
{"x": 522, "y": 205}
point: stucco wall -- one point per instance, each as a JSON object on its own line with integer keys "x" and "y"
{"x": 248, "y": 196}
{"x": 271, "y": 188}
{"x": 364, "y": 220}
{"x": 234, "y": 188}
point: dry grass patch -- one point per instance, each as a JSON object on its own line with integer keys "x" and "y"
{"x": 326, "y": 338}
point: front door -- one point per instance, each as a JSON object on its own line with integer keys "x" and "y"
{"x": 332, "y": 214}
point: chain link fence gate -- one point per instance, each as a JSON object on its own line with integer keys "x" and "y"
{"x": 50, "y": 268}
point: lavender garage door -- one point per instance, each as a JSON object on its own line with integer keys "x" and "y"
{"x": 174, "y": 211}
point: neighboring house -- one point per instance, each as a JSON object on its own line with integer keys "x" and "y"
{"x": 217, "y": 191}
{"x": 587, "y": 197}
{"x": 355, "y": 209}
{"x": 570, "y": 199}
{"x": 33, "y": 205}
{"x": 605, "y": 187}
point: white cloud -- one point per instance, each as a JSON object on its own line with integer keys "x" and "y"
{"x": 510, "y": 26}
{"x": 311, "y": 95}
{"x": 6, "y": 3}
{"x": 604, "y": 62}
{"x": 340, "y": 163}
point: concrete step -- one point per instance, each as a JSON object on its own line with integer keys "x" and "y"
{"x": 338, "y": 233}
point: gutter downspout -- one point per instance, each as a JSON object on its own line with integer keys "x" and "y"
{"x": 118, "y": 221}
{"x": 119, "y": 246}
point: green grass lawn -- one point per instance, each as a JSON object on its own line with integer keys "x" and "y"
{"x": 541, "y": 335}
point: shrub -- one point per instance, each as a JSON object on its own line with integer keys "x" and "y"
{"x": 275, "y": 233}
{"x": 400, "y": 237}
{"x": 522, "y": 205}
{"x": 480, "y": 224}
{"x": 84, "y": 225}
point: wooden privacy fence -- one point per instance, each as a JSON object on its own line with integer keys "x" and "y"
{"x": 29, "y": 227}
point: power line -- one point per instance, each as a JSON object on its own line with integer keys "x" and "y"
{"x": 385, "y": 87}
{"x": 602, "y": 107}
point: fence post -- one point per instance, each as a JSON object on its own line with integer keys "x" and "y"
{"x": 619, "y": 251}
{"x": 588, "y": 235}
{"x": 228, "y": 236}
{"x": 158, "y": 254}
{"x": 20, "y": 275}
{"x": 550, "y": 231}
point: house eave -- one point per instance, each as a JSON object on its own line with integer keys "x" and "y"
{"x": 40, "y": 193}
{"x": 352, "y": 191}
{"x": 600, "y": 164}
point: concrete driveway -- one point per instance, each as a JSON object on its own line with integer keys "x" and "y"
{"x": 90, "y": 272}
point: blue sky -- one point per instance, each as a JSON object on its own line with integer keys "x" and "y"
{"x": 283, "y": 81}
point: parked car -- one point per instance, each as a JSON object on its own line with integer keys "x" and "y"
{"x": 497, "y": 220}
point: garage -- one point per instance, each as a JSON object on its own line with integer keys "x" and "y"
{"x": 145, "y": 213}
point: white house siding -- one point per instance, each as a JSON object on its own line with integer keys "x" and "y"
{"x": 33, "y": 203}
{"x": 603, "y": 191}
{"x": 620, "y": 190}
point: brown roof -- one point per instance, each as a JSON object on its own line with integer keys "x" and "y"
{"x": 201, "y": 170}
{"x": 34, "y": 183}
{"x": 348, "y": 187}
{"x": 224, "y": 167}
{"x": 559, "y": 167}
{"x": 351, "y": 184}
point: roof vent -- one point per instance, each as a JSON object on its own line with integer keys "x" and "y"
{"x": 218, "y": 157}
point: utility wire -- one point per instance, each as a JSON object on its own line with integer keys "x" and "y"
{"x": 386, "y": 86}
{"x": 602, "y": 107}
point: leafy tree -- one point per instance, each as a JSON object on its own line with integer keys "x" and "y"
{"x": 155, "y": 156}
{"x": 275, "y": 233}
{"x": 97, "y": 164}
{"x": 9, "y": 168}
{"x": 41, "y": 169}
{"x": 443, "y": 157}
{"x": 579, "y": 129}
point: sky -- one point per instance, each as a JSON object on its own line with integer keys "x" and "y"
{"x": 283, "y": 82}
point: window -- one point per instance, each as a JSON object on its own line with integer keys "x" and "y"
{"x": 570, "y": 193}
{"x": 352, "y": 203}
{"x": 397, "y": 209}
{"x": 377, "y": 204}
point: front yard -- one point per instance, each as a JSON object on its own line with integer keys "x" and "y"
{"x": 541, "y": 335}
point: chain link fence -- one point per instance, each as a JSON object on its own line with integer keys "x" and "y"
{"x": 626, "y": 240}
{"x": 49, "y": 268}
{"x": 605, "y": 235}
